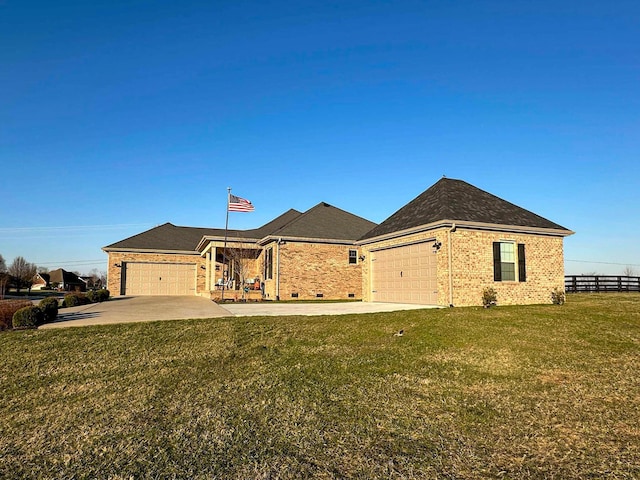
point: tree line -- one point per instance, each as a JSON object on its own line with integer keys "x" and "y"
{"x": 21, "y": 273}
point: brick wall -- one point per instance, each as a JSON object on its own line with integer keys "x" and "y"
{"x": 472, "y": 266}
{"x": 114, "y": 273}
{"x": 309, "y": 269}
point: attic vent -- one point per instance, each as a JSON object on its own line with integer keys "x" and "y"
{"x": 319, "y": 295}
{"x": 294, "y": 295}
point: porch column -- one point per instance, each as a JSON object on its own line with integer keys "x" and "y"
{"x": 208, "y": 271}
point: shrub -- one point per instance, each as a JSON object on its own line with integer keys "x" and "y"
{"x": 489, "y": 297}
{"x": 557, "y": 296}
{"x": 75, "y": 299}
{"x": 7, "y": 309}
{"x": 49, "y": 307}
{"x": 96, "y": 296}
{"x": 28, "y": 317}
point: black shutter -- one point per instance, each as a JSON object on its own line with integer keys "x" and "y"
{"x": 497, "y": 271}
{"x": 522, "y": 266}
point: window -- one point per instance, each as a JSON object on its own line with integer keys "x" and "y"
{"x": 505, "y": 260}
{"x": 353, "y": 256}
{"x": 268, "y": 264}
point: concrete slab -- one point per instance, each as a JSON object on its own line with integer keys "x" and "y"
{"x": 153, "y": 308}
{"x": 316, "y": 308}
{"x": 138, "y": 309}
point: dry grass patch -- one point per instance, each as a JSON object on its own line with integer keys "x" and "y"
{"x": 509, "y": 392}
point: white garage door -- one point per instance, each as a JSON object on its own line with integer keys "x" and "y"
{"x": 159, "y": 279}
{"x": 405, "y": 274}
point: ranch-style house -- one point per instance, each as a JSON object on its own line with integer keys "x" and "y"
{"x": 442, "y": 248}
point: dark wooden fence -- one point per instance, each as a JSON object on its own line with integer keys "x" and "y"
{"x": 601, "y": 283}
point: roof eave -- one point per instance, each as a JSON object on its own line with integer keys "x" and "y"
{"x": 289, "y": 238}
{"x": 554, "y": 232}
{"x": 202, "y": 245}
{"x": 149, "y": 250}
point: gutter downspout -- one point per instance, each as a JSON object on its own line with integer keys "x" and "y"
{"x": 450, "y": 250}
{"x": 278, "y": 268}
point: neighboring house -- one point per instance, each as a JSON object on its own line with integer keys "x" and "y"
{"x": 40, "y": 281}
{"x": 443, "y": 248}
{"x": 91, "y": 282}
{"x": 67, "y": 281}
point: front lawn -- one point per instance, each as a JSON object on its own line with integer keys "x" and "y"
{"x": 507, "y": 392}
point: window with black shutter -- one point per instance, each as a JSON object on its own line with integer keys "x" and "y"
{"x": 522, "y": 266}
{"x": 505, "y": 260}
{"x": 268, "y": 264}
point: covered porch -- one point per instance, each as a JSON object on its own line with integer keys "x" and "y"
{"x": 233, "y": 272}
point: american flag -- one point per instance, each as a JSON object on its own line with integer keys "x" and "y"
{"x": 237, "y": 204}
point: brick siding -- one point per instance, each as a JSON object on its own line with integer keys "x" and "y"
{"x": 472, "y": 266}
{"x": 310, "y": 269}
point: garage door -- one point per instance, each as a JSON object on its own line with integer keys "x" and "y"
{"x": 159, "y": 278}
{"x": 405, "y": 274}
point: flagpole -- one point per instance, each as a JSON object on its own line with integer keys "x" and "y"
{"x": 224, "y": 251}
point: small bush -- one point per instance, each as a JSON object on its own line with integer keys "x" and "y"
{"x": 7, "y": 309}
{"x": 557, "y": 296}
{"x": 75, "y": 299}
{"x": 28, "y": 317}
{"x": 49, "y": 307}
{"x": 97, "y": 296}
{"x": 489, "y": 297}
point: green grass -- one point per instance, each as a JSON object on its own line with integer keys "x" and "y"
{"x": 507, "y": 392}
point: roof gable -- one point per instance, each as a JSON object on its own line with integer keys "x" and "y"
{"x": 62, "y": 276}
{"x": 326, "y": 222}
{"x": 457, "y": 200}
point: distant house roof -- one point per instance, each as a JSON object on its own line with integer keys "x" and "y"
{"x": 44, "y": 276}
{"x": 457, "y": 200}
{"x": 62, "y": 276}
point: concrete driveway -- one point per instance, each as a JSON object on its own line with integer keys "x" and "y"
{"x": 152, "y": 308}
{"x": 137, "y": 309}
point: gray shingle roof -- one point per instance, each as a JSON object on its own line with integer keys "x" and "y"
{"x": 320, "y": 222}
{"x": 62, "y": 276}
{"x": 450, "y": 199}
{"x": 166, "y": 237}
{"x": 169, "y": 237}
{"x": 326, "y": 222}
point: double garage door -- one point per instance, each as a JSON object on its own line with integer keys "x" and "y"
{"x": 159, "y": 278}
{"x": 405, "y": 274}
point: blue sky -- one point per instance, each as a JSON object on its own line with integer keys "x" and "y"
{"x": 116, "y": 116}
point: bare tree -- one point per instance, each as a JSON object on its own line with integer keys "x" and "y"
{"x": 629, "y": 271}
{"x": 22, "y": 273}
{"x": 4, "y": 277}
{"x": 98, "y": 278}
{"x": 242, "y": 258}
